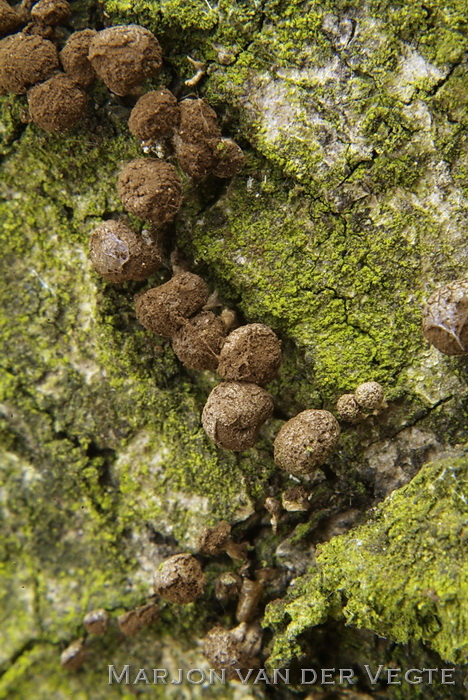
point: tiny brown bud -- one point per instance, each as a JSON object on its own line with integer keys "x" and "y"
{"x": 96, "y": 621}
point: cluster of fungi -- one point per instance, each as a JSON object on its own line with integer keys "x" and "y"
{"x": 245, "y": 357}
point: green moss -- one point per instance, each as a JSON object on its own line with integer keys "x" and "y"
{"x": 400, "y": 575}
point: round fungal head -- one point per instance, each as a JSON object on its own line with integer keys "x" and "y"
{"x": 445, "y": 318}
{"x": 180, "y": 579}
{"x": 58, "y": 104}
{"x": 198, "y": 122}
{"x": 73, "y": 657}
{"x": 164, "y": 309}
{"x": 154, "y": 116}
{"x": 306, "y": 441}
{"x": 119, "y": 254}
{"x": 234, "y": 414}
{"x": 198, "y": 342}
{"x": 150, "y": 189}
{"x": 195, "y": 159}
{"x": 9, "y": 18}
{"x": 369, "y": 396}
{"x": 348, "y": 408}
{"x": 51, "y": 12}
{"x": 74, "y": 57}
{"x": 96, "y": 621}
{"x": 131, "y": 622}
{"x": 233, "y": 649}
{"x": 251, "y": 353}
{"x": 228, "y": 158}
{"x": 124, "y": 56}
{"x": 24, "y": 61}
{"x": 213, "y": 540}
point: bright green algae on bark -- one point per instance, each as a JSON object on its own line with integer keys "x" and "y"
{"x": 403, "y": 574}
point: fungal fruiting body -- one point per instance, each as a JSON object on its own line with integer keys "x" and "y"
{"x": 74, "y": 57}
{"x": 180, "y": 579}
{"x": 306, "y": 441}
{"x": 124, "y": 56}
{"x": 198, "y": 342}
{"x": 57, "y": 104}
{"x": 156, "y": 114}
{"x": 164, "y": 309}
{"x": 150, "y": 189}
{"x": 119, "y": 254}
{"x": 35, "y": 59}
{"x": 233, "y": 649}
{"x": 251, "y": 353}
{"x": 445, "y": 318}
{"x": 234, "y": 414}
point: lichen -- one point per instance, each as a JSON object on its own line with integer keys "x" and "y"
{"x": 401, "y": 574}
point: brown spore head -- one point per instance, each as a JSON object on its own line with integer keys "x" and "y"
{"x": 96, "y": 621}
{"x": 119, "y": 254}
{"x": 370, "y": 396}
{"x": 306, "y": 441}
{"x": 198, "y": 122}
{"x": 155, "y": 115}
{"x": 74, "y": 57}
{"x": 251, "y": 353}
{"x": 58, "y": 104}
{"x": 9, "y": 18}
{"x": 24, "y": 61}
{"x": 164, "y": 309}
{"x": 51, "y": 12}
{"x": 348, "y": 408}
{"x": 445, "y": 318}
{"x": 124, "y": 56}
{"x": 180, "y": 579}
{"x": 228, "y": 158}
{"x": 150, "y": 189}
{"x": 198, "y": 342}
{"x": 234, "y": 414}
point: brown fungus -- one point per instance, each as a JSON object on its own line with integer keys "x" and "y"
{"x": 370, "y": 396}
{"x": 195, "y": 159}
{"x": 131, "y": 622}
{"x": 124, "y": 56}
{"x": 73, "y": 657}
{"x": 213, "y": 540}
{"x": 74, "y": 57}
{"x": 150, "y": 189}
{"x": 51, "y": 12}
{"x": 228, "y": 158}
{"x": 306, "y": 441}
{"x": 164, "y": 309}
{"x": 96, "y": 621}
{"x": 198, "y": 342}
{"x": 251, "y": 353}
{"x": 198, "y": 122}
{"x": 180, "y": 579}
{"x": 58, "y": 104}
{"x": 233, "y": 650}
{"x": 9, "y": 18}
{"x": 348, "y": 408}
{"x": 24, "y": 61}
{"x": 217, "y": 539}
{"x": 154, "y": 116}
{"x": 119, "y": 254}
{"x": 445, "y": 318}
{"x": 234, "y": 414}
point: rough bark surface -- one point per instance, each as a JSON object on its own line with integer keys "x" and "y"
{"x": 348, "y": 213}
